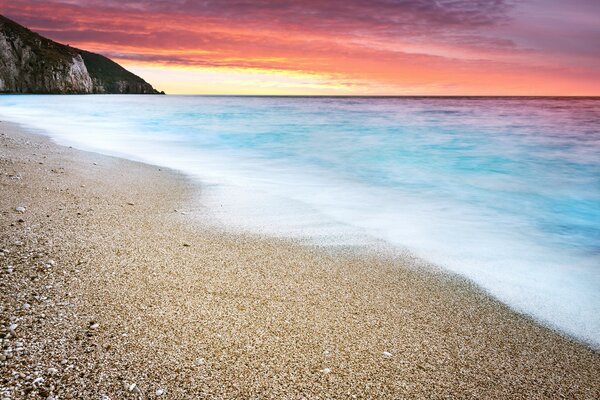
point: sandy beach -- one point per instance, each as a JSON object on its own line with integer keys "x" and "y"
{"x": 108, "y": 292}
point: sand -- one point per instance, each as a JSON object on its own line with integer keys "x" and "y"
{"x": 109, "y": 287}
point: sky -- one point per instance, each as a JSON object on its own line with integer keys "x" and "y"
{"x": 336, "y": 47}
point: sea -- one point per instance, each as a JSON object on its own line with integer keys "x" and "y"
{"x": 504, "y": 191}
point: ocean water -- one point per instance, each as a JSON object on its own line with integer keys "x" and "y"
{"x": 505, "y": 191}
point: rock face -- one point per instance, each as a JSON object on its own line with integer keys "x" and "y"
{"x": 30, "y": 63}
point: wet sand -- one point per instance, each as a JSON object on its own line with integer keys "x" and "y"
{"x": 106, "y": 290}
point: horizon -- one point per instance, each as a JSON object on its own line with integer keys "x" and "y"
{"x": 383, "y": 96}
{"x": 351, "y": 49}
{"x": 299, "y": 199}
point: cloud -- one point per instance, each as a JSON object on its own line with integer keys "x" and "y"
{"x": 443, "y": 43}
{"x": 391, "y": 19}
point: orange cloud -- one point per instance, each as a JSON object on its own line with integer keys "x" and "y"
{"x": 301, "y": 47}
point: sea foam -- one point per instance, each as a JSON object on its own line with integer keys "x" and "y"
{"x": 503, "y": 191}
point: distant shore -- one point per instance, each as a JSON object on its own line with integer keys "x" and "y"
{"x": 106, "y": 290}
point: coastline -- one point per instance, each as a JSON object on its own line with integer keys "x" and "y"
{"x": 139, "y": 295}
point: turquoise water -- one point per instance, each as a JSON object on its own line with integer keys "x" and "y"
{"x": 505, "y": 191}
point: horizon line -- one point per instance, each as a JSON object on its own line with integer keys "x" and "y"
{"x": 314, "y": 95}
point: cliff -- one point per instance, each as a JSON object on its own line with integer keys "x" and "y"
{"x": 30, "y": 63}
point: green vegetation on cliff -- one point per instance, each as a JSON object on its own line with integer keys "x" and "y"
{"x": 31, "y": 63}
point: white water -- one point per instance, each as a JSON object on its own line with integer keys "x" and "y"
{"x": 503, "y": 191}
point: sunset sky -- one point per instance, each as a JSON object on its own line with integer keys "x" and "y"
{"x": 355, "y": 47}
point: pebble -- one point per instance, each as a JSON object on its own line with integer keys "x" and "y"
{"x": 94, "y": 326}
{"x": 160, "y": 392}
{"x": 52, "y": 371}
{"x": 26, "y": 306}
{"x": 133, "y": 388}
{"x": 199, "y": 361}
{"x": 20, "y": 209}
{"x": 51, "y": 262}
{"x": 386, "y": 354}
{"x": 326, "y": 370}
{"x": 38, "y": 380}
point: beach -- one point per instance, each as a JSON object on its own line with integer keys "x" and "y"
{"x": 108, "y": 289}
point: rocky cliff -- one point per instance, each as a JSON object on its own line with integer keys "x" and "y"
{"x": 30, "y": 63}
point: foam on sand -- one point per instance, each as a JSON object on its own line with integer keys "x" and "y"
{"x": 503, "y": 191}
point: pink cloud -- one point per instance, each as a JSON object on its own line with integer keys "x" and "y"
{"x": 447, "y": 43}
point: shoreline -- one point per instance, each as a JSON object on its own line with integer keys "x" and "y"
{"x": 499, "y": 226}
{"x": 195, "y": 212}
{"x": 136, "y": 294}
